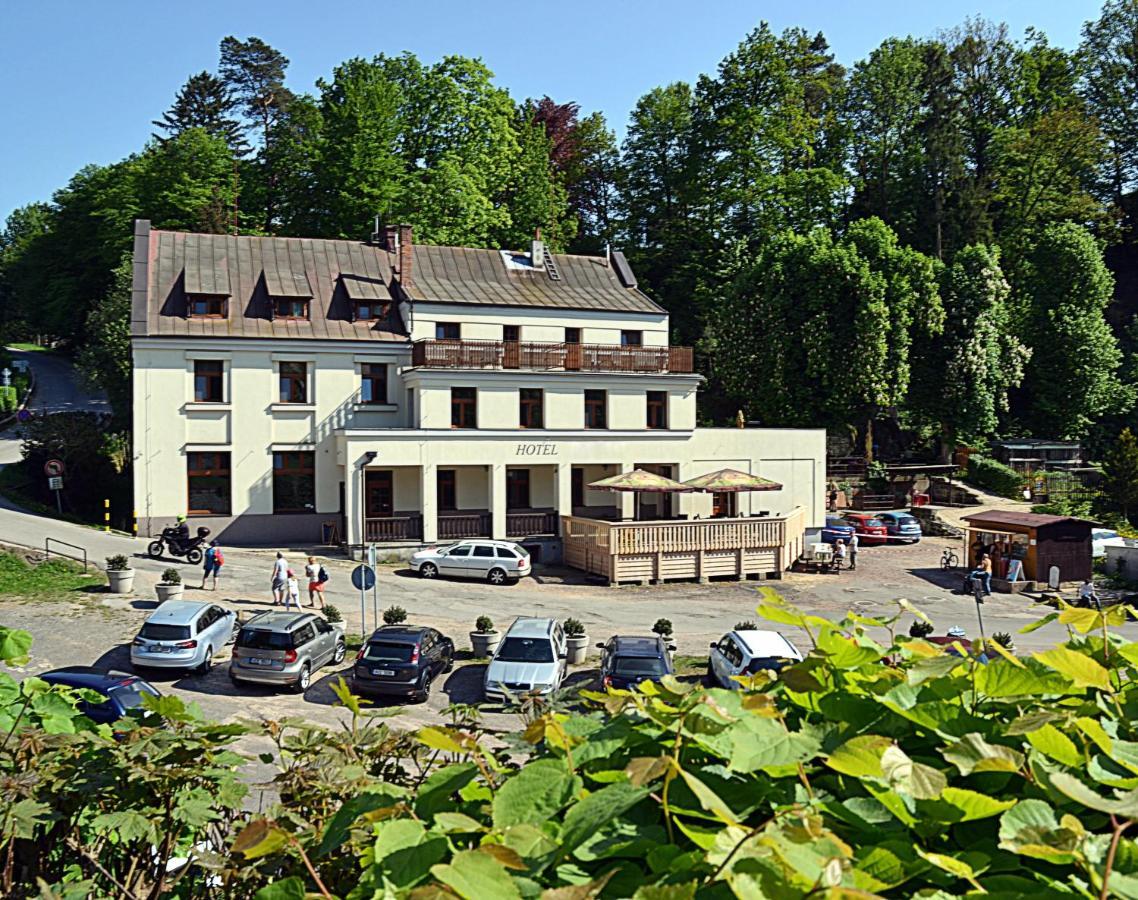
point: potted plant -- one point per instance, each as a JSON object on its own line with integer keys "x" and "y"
{"x": 170, "y": 587}
{"x": 484, "y": 638}
{"x": 576, "y": 642}
{"x": 920, "y": 629}
{"x": 663, "y": 627}
{"x": 332, "y": 614}
{"x": 394, "y": 615}
{"x": 120, "y": 576}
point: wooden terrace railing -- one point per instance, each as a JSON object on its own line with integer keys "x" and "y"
{"x": 393, "y": 528}
{"x": 465, "y": 525}
{"x": 434, "y": 354}
{"x": 531, "y": 524}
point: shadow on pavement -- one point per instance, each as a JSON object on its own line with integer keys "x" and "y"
{"x": 947, "y": 579}
{"x": 464, "y": 684}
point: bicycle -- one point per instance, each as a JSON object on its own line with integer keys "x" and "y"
{"x": 949, "y": 560}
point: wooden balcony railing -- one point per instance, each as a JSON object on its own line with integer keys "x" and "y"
{"x": 531, "y": 524}
{"x": 464, "y": 525}
{"x": 434, "y": 354}
{"x": 393, "y": 528}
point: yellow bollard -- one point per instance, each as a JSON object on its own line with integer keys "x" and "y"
{"x": 107, "y": 516}
{"x": 134, "y": 520}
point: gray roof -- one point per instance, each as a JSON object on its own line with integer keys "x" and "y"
{"x": 481, "y": 277}
{"x": 251, "y": 270}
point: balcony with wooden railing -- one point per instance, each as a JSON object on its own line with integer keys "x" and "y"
{"x": 551, "y": 357}
{"x": 529, "y": 523}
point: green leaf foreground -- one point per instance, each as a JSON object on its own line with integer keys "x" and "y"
{"x": 879, "y": 766}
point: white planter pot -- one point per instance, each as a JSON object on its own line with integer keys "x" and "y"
{"x": 485, "y": 644}
{"x": 121, "y": 581}
{"x": 169, "y": 591}
{"x": 577, "y": 649}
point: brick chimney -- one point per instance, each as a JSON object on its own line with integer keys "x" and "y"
{"x": 390, "y": 237}
{"x": 406, "y": 252}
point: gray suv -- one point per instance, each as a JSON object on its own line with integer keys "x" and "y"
{"x": 285, "y": 648}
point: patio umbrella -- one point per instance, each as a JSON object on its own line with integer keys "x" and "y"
{"x": 731, "y": 481}
{"x": 640, "y": 482}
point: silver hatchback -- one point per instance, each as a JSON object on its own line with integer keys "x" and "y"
{"x": 285, "y": 648}
{"x": 493, "y": 561}
{"x": 182, "y": 634}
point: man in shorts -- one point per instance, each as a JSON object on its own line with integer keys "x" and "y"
{"x": 280, "y": 580}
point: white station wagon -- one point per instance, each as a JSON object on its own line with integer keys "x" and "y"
{"x": 493, "y": 561}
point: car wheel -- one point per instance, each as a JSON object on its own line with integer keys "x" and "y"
{"x": 154, "y": 549}
{"x": 710, "y": 677}
{"x": 207, "y": 662}
{"x": 303, "y": 680}
{"x": 497, "y": 576}
{"x": 450, "y": 662}
{"x": 338, "y": 654}
{"x": 428, "y": 570}
{"x": 425, "y": 688}
{"x": 194, "y": 557}
{"x": 233, "y": 678}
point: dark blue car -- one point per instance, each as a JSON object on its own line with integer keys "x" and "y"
{"x": 123, "y": 692}
{"x": 627, "y": 661}
{"x": 837, "y": 528}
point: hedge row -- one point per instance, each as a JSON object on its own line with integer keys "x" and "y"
{"x": 994, "y": 477}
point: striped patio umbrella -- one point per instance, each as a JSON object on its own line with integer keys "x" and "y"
{"x": 640, "y": 482}
{"x": 731, "y": 481}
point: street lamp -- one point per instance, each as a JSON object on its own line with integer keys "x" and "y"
{"x": 368, "y": 457}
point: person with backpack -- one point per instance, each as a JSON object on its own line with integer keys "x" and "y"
{"x": 214, "y": 560}
{"x": 317, "y": 576}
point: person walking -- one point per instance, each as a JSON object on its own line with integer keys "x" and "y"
{"x": 316, "y": 576}
{"x": 214, "y": 560}
{"x": 292, "y": 588}
{"x": 986, "y": 573}
{"x": 280, "y": 579}
{"x": 853, "y": 551}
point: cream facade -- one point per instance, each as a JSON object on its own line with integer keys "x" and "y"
{"x": 301, "y": 392}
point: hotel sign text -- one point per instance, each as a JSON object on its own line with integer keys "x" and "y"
{"x": 537, "y": 449}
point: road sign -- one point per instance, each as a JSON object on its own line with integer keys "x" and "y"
{"x": 53, "y": 467}
{"x": 55, "y": 482}
{"x": 363, "y": 578}
{"x": 23, "y": 415}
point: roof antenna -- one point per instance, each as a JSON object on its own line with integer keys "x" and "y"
{"x": 608, "y": 253}
{"x": 375, "y": 231}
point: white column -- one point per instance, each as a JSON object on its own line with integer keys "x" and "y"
{"x": 428, "y": 502}
{"x": 498, "y": 501}
{"x": 563, "y": 489}
{"x": 627, "y": 498}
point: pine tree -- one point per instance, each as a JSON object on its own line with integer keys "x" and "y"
{"x": 203, "y": 102}
{"x": 1120, "y": 473}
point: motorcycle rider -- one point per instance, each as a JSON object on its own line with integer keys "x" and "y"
{"x": 180, "y": 533}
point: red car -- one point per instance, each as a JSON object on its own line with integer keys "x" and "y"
{"x": 869, "y": 528}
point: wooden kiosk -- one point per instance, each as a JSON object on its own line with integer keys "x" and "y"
{"x": 1037, "y": 541}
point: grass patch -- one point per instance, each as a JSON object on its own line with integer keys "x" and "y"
{"x": 51, "y": 579}
{"x": 689, "y": 665}
{"x": 30, "y": 348}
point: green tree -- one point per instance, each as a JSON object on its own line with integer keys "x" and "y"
{"x": 105, "y": 359}
{"x": 1111, "y": 87}
{"x": 1072, "y": 377}
{"x": 205, "y": 102}
{"x": 254, "y": 73}
{"x": 189, "y": 183}
{"x": 1120, "y": 473}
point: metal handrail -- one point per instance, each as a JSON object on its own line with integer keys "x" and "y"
{"x": 47, "y": 542}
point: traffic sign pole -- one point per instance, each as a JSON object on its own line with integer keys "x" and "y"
{"x": 363, "y": 579}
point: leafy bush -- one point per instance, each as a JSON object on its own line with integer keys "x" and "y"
{"x": 574, "y": 628}
{"x": 394, "y": 615}
{"x": 746, "y": 625}
{"x": 484, "y": 625}
{"x": 171, "y": 576}
{"x": 1005, "y": 640}
{"x": 920, "y": 629}
{"x": 332, "y": 614}
{"x": 994, "y": 477}
{"x": 117, "y": 563}
{"x": 663, "y": 627}
{"x": 870, "y": 769}
{"x": 9, "y": 398}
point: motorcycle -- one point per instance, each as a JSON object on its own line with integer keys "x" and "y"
{"x": 169, "y": 542}
{"x": 973, "y": 585}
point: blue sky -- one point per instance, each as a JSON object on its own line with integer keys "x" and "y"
{"x": 83, "y": 80}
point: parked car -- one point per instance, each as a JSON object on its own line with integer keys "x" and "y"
{"x": 1101, "y": 538}
{"x": 626, "y": 661}
{"x": 901, "y": 527}
{"x": 495, "y": 561}
{"x": 402, "y": 660}
{"x": 531, "y": 657}
{"x": 870, "y": 529}
{"x": 285, "y": 648}
{"x": 837, "y": 528}
{"x": 123, "y": 691}
{"x": 183, "y": 634}
{"x": 746, "y": 653}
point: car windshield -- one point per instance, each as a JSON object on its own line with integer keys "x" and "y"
{"x": 873, "y": 523}
{"x": 157, "y": 632}
{"x": 385, "y": 651}
{"x": 638, "y": 665}
{"x": 760, "y": 663}
{"x": 531, "y": 650}
{"x": 130, "y": 695}
{"x": 906, "y": 520}
{"x": 263, "y": 639}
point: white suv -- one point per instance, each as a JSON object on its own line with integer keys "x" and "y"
{"x": 747, "y": 652}
{"x": 531, "y": 658}
{"x": 494, "y": 561}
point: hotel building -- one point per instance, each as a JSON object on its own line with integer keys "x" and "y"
{"x": 297, "y": 391}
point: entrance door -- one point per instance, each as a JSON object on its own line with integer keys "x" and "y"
{"x": 378, "y": 497}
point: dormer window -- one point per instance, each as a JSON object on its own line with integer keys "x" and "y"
{"x": 364, "y": 311}
{"x": 208, "y": 307}
{"x": 290, "y": 307}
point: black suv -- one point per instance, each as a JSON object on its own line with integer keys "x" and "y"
{"x": 627, "y": 661}
{"x": 402, "y": 660}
